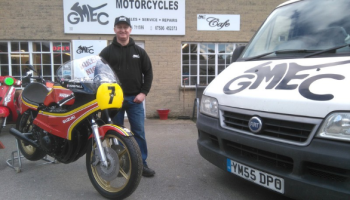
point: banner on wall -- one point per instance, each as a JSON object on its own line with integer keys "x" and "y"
{"x": 161, "y": 17}
{"x": 209, "y": 22}
{"x": 83, "y": 48}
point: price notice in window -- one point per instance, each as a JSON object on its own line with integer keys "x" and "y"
{"x": 161, "y": 17}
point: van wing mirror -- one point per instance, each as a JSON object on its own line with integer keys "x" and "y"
{"x": 236, "y": 53}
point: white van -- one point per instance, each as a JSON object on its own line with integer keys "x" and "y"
{"x": 279, "y": 116}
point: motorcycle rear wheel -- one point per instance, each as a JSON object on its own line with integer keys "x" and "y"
{"x": 126, "y": 157}
{"x": 25, "y": 125}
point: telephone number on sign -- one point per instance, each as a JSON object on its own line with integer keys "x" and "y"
{"x": 261, "y": 178}
{"x": 159, "y": 28}
{"x": 171, "y": 28}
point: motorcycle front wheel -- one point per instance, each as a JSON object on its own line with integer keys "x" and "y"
{"x": 123, "y": 173}
{"x": 25, "y": 125}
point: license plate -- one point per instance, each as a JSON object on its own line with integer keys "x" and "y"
{"x": 261, "y": 178}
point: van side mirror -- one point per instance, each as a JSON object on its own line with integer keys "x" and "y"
{"x": 236, "y": 53}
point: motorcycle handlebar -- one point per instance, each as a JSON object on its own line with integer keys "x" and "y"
{"x": 14, "y": 81}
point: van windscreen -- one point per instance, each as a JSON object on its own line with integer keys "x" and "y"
{"x": 301, "y": 28}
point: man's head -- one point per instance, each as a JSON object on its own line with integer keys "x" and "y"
{"x": 121, "y": 20}
{"x": 122, "y": 29}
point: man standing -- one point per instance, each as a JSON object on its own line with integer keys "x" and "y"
{"x": 134, "y": 70}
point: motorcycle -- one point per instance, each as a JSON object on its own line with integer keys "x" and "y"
{"x": 73, "y": 119}
{"x": 9, "y": 97}
{"x": 8, "y": 103}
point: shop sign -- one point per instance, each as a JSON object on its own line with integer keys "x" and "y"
{"x": 82, "y": 48}
{"x": 209, "y": 22}
{"x": 161, "y": 17}
{"x": 61, "y": 48}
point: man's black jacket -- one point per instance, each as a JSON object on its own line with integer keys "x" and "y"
{"x": 132, "y": 66}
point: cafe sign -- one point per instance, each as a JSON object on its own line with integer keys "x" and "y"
{"x": 209, "y": 22}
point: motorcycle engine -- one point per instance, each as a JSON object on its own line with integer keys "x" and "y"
{"x": 61, "y": 149}
{"x": 48, "y": 142}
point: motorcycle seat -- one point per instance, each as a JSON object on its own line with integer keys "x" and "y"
{"x": 35, "y": 93}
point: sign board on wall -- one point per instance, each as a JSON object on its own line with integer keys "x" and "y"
{"x": 83, "y": 48}
{"x": 209, "y": 22}
{"x": 161, "y": 17}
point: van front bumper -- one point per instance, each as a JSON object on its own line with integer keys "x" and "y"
{"x": 320, "y": 170}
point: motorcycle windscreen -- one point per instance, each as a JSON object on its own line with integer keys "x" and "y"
{"x": 86, "y": 74}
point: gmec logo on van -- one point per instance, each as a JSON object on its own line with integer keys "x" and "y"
{"x": 281, "y": 76}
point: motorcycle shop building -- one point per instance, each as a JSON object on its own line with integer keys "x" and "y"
{"x": 189, "y": 41}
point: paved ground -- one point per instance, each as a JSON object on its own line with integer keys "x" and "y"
{"x": 181, "y": 173}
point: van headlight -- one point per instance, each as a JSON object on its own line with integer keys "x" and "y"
{"x": 209, "y": 106}
{"x": 336, "y": 126}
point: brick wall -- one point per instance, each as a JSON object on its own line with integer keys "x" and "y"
{"x": 43, "y": 20}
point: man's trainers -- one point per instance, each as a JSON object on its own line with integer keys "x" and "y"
{"x": 147, "y": 172}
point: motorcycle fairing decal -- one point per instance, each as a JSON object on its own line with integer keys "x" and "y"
{"x": 107, "y": 127}
{"x": 55, "y": 87}
{"x": 28, "y": 104}
{"x": 57, "y": 94}
{"x": 83, "y": 116}
{"x": 54, "y": 122}
{"x": 8, "y": 95}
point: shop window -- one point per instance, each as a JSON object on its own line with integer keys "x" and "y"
{"x": 202, "y": 62}
{"x": 44, "y": 56}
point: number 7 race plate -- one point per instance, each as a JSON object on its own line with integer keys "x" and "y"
{"x": 261, "y": 178}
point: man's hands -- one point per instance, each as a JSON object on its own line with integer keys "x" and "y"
{"x": 140, "y": 98}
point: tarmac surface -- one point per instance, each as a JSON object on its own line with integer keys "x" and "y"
{"x": 181, "y": 173}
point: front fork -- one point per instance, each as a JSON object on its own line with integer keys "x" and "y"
{"x": 98, "y": 142}
{"x": 97, "y": 137}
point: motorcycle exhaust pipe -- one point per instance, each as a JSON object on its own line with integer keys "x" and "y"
{"x": 21, "y": 136}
